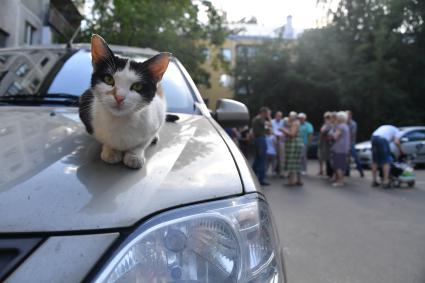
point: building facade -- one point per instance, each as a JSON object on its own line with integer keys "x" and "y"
{"x": 31, "y": 22}
{"x": 237, "y": 46}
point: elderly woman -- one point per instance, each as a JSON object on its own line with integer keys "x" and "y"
{"x": 293, "y": 150}
{"x": 340, "y": 148}
{"x": 323, "y": 148}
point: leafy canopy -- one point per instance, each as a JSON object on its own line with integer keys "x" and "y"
{"x": 165, "y": 25}
{"x": 369, "y": 59}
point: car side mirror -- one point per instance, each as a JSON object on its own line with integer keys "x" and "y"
{"x": 404, "y": 139}
{"x": 231, "y": 113}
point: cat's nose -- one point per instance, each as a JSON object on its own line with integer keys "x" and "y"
{"x": 119, "y": 99}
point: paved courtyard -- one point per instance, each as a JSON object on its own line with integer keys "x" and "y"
{"x": 351, "y": 234}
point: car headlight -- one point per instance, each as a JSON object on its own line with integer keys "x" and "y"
{"x": 223, "y": 241}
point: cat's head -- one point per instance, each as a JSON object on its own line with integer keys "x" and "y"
{"x": 122, "y": 85}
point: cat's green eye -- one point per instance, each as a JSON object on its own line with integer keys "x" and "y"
{"x": 136, "y": 87}
{"x": 108, "y": 80}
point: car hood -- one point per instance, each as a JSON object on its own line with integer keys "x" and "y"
{"x": 52, "y": 177}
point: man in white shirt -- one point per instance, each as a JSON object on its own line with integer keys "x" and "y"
{"x": 277, "y": 124}
{"x": 381, "y": 152}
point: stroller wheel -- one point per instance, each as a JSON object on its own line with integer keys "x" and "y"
{"x": 411, "y": 184}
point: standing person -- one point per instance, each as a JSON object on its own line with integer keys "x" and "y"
{"x": 259, "y": 131}
{"x": 330, "y": 141}
{"x": 271, "y": 151}
{"x": 340, "y": 148}
{"x": 233, "y": 134}
{"x": 352, "y": 125}
{"x": 293, "y": 150}
{"x": 277, "y": 124}
{"x": 244, "y": 141}
{"x": 381, "y": 153}
{"x": 306, "y": 129}
{"x": 323, "y": 148}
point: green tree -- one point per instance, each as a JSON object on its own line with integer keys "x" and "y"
{"x": 369, "y": 58}
{"x": 168, "y": 25}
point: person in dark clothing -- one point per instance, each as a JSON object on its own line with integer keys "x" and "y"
{"x": 259, "y": 126}
{"x": 244, "y": 141}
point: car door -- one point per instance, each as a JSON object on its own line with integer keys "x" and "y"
{"x": 413, "y": 143}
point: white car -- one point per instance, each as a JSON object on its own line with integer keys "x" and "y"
{"x": 193, "y": 213}
{"x": 412, "y": 142}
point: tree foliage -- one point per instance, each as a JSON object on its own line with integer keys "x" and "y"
{"x": 166, "y": 25}
{"x": 370, "y": 59}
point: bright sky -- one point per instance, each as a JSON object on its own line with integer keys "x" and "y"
{"x": 273, "y": 13}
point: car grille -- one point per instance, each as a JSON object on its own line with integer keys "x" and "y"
{"x": 13, "y": 251}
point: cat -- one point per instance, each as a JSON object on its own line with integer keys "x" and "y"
{"x": 124, "y": 109}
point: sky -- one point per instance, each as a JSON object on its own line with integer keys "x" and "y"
{"x": 272, "y": 13}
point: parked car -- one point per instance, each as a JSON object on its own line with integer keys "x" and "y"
{"x": 412, "y": 141}
{"x": 193, "y": 213}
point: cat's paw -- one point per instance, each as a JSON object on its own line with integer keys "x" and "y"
{"x": 111, "y": 156}
{"x": 133, "y": 161}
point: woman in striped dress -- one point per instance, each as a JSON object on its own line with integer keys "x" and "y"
{"x": 293, "y": 150}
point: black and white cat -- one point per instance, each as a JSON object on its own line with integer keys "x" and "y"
{"x": 124, "y": 109}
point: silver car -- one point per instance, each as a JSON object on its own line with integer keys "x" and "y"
{"x": 193, "y": 213}
{"x": 412, "y": 141}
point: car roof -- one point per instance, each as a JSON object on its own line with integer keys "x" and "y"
{"x": 412, "y": 128}
{"x": 116, "y": 48}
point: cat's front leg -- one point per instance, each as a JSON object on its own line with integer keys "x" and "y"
{"x": 135, "y": 158}
{"x": 110, "y": 155}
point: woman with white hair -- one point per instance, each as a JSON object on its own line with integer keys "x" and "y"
{"x": 323, "y": 145}
{"x": 340, "y": 148}
{"x": 293, "y": 150}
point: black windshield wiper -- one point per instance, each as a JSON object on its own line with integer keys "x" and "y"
{"x": 46, "y": 99}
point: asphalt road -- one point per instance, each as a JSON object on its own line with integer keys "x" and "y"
{"x": 350, "y": 234}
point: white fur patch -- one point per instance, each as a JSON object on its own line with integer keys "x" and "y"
{"x": 128, "y": 125}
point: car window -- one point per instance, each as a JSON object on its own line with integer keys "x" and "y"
{"x": 418, "y": 135}
{"x": 23, "y": 72}
{"x": 30, "y": 72}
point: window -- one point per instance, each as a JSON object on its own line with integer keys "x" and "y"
{"x": 74, "y": 78}
{"x": 418, "y": 135}
{"x": 3, "y": 38}
{"x": 226, "y": 54}
{"x": 244, "y": 52}
{"x": 226, "y": 80}
{"x": 14, "y": 89}
{"x": 206, "y": 52}
{"x": 29, "y": 34}
{"x": 241, "y": 90}
{"x": 22, "y": 70}
{"x": 44, "y": 62}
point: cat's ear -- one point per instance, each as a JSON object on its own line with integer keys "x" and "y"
{"x": 99, "y": 49}
{"x": 158, "y": 64}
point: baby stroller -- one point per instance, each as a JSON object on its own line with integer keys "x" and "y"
{"x": 401, "y": 172}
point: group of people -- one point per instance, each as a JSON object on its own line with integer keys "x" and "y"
{"x": 281, "y": 146}
{"x": 336, "y": 145}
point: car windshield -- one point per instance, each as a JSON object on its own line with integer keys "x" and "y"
{"x": 50, "y": 73}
